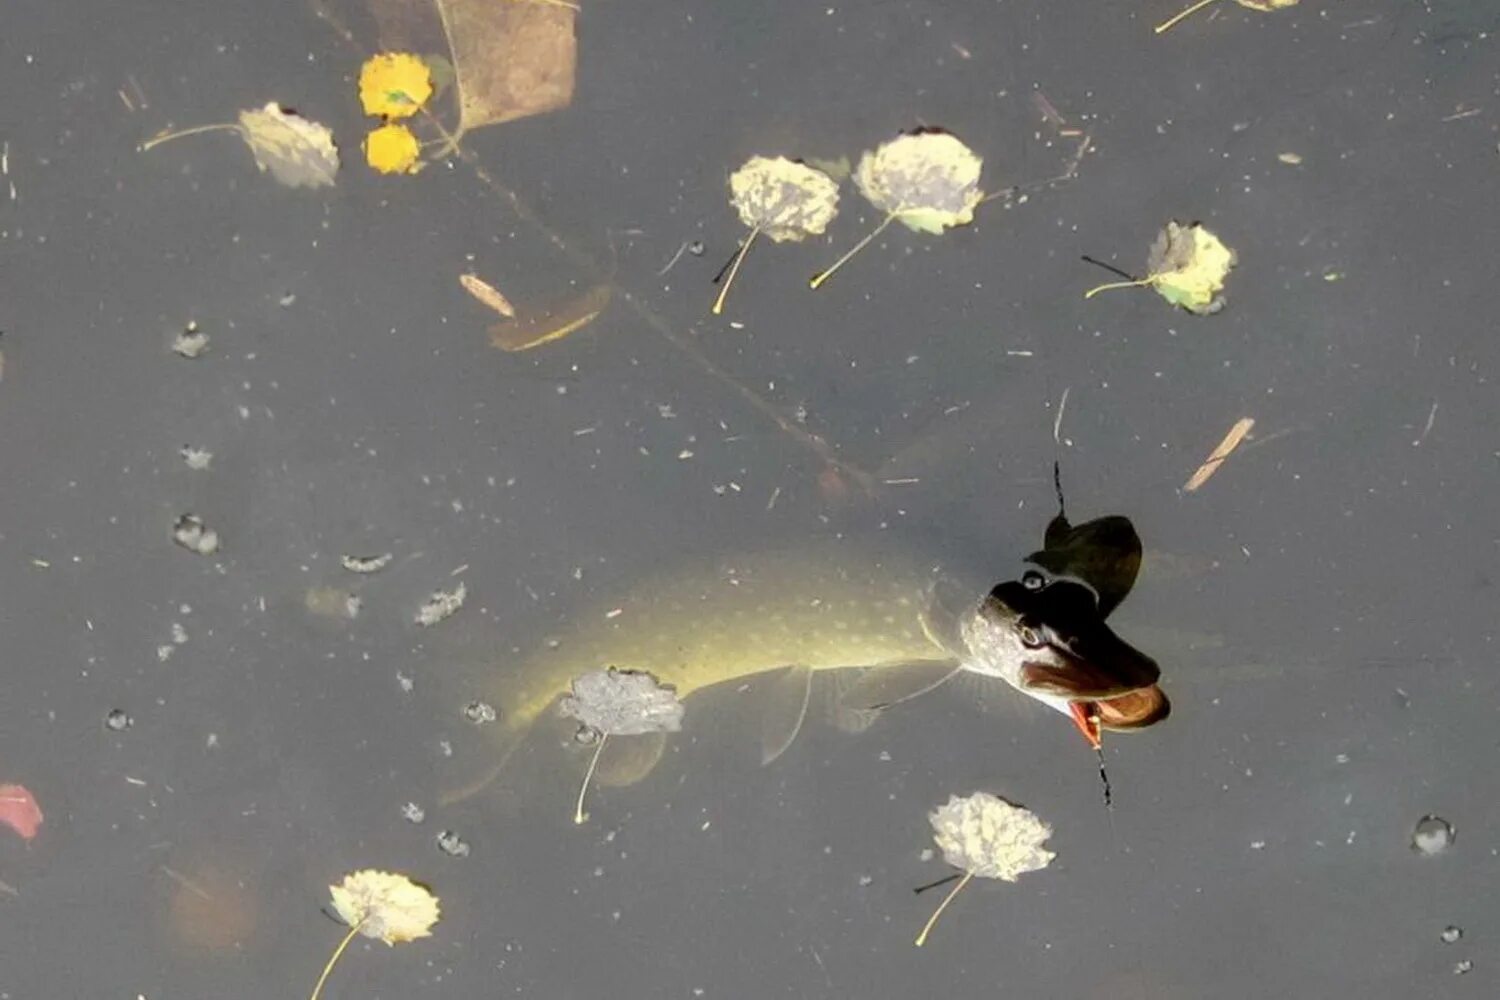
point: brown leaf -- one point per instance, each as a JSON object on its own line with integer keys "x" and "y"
{"x": 511, "y": 58}
{"x": 552, "y": 324}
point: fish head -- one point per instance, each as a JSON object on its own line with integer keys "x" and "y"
{"x": 1047, "y": 639}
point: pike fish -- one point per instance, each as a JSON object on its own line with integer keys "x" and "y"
{"x": 897, "y": 625}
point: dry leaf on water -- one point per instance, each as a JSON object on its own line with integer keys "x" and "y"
{"x": 1187, "y": 266}
{"x": 987, "y": 837}
{"x": 615, "y": 702}
{"x": 296, "y": 151}
{"x": 623, "y": 703}
{"x": 487, "y": 294}
{"x": 782, "y": 198}
{"x": 927, "y": 180}
{"x": 509, "y": 58}
{"x": 19, "y": 811}
{"x": 1260, "y": 5}
{"x": 542, "y": 326}
{"x": 382, "y": 905}
{"x": 512, "y": 59}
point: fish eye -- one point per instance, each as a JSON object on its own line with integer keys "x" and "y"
{"x": 1030, "y": 636}
{"x": 1032, "y": 580}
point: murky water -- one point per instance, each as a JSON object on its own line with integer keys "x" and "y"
{"x": 214, "y": 734}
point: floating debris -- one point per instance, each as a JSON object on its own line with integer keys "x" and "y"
{"x": 296, "y": 151}
{"x": 1263, "y": 6}
{"x": 480, "y": 712}
{"x": 366, "y": 564}
{"x": 618, "y": 703}
{"x": 197, "y": 459}
{"x": 1452, "y": 934}
{"x": 192, "y": 534}
{"x": 19, "y": 811}
{"x": 118, "y": 720}
{"x": 1433, "y": 836}
{"x": 413, "y": 813}
{"x": 487, "y": 294}
{"x": 986, "y": 836}
{"x": 452, "y": 844}
{"x": 927, "y": 180}
{"x": 623, "y": 703}
{"x": 381, "y": 905}
{"x": 443, "y": 604}
{"x": 1187, "y": 266}
{"x": 782, "y": 198}
{"x": 1210, "y": 465}
{"x": 191, "y": 342}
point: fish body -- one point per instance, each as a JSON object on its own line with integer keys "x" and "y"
{"x": 908, "y": 623}
{"x": 823, "y": 607}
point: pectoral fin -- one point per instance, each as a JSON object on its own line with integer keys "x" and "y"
{"x": 786, "y": 706}
{"x": 628, "y": 759}
{"x": 890, "y": 684}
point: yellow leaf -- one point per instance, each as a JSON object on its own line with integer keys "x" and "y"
{"x": 381, "y": 905}
{"x": 782, "y": 198}
{"x": 385, "y": 905}
{"x": 927, "y": 180}
{"x": 392, "y": 149}
{"x": 1260, "y": 5}
{"x": 394, "y": 84}
{"x": 1187, "y": 266}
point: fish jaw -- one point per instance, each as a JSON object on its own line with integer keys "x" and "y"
{"x": 1052, "y": 646}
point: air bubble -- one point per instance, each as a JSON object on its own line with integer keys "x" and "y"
{"x": 1433, "y": 835}
{"x": 118, "y": 720}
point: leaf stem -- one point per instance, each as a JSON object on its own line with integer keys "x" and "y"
{"x": 1167, "y": 24}
{"x": 734, "y": 269}
{"x": 579, "y": 816}
{"x": 932, "y": 920}
{"x": 337, "y": 952}
{"x": 152, "y": 143}
{"x": 820, "y": 278}
{"x": 1108, "y": 267}
{"x": 1148, "y": 280}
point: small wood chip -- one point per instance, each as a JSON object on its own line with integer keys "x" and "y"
{"x": 441, "y": 605}
{"x": 366, "y": 564}
{"x": 488, "y": 294}
{"x": 1211, "y": 465}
